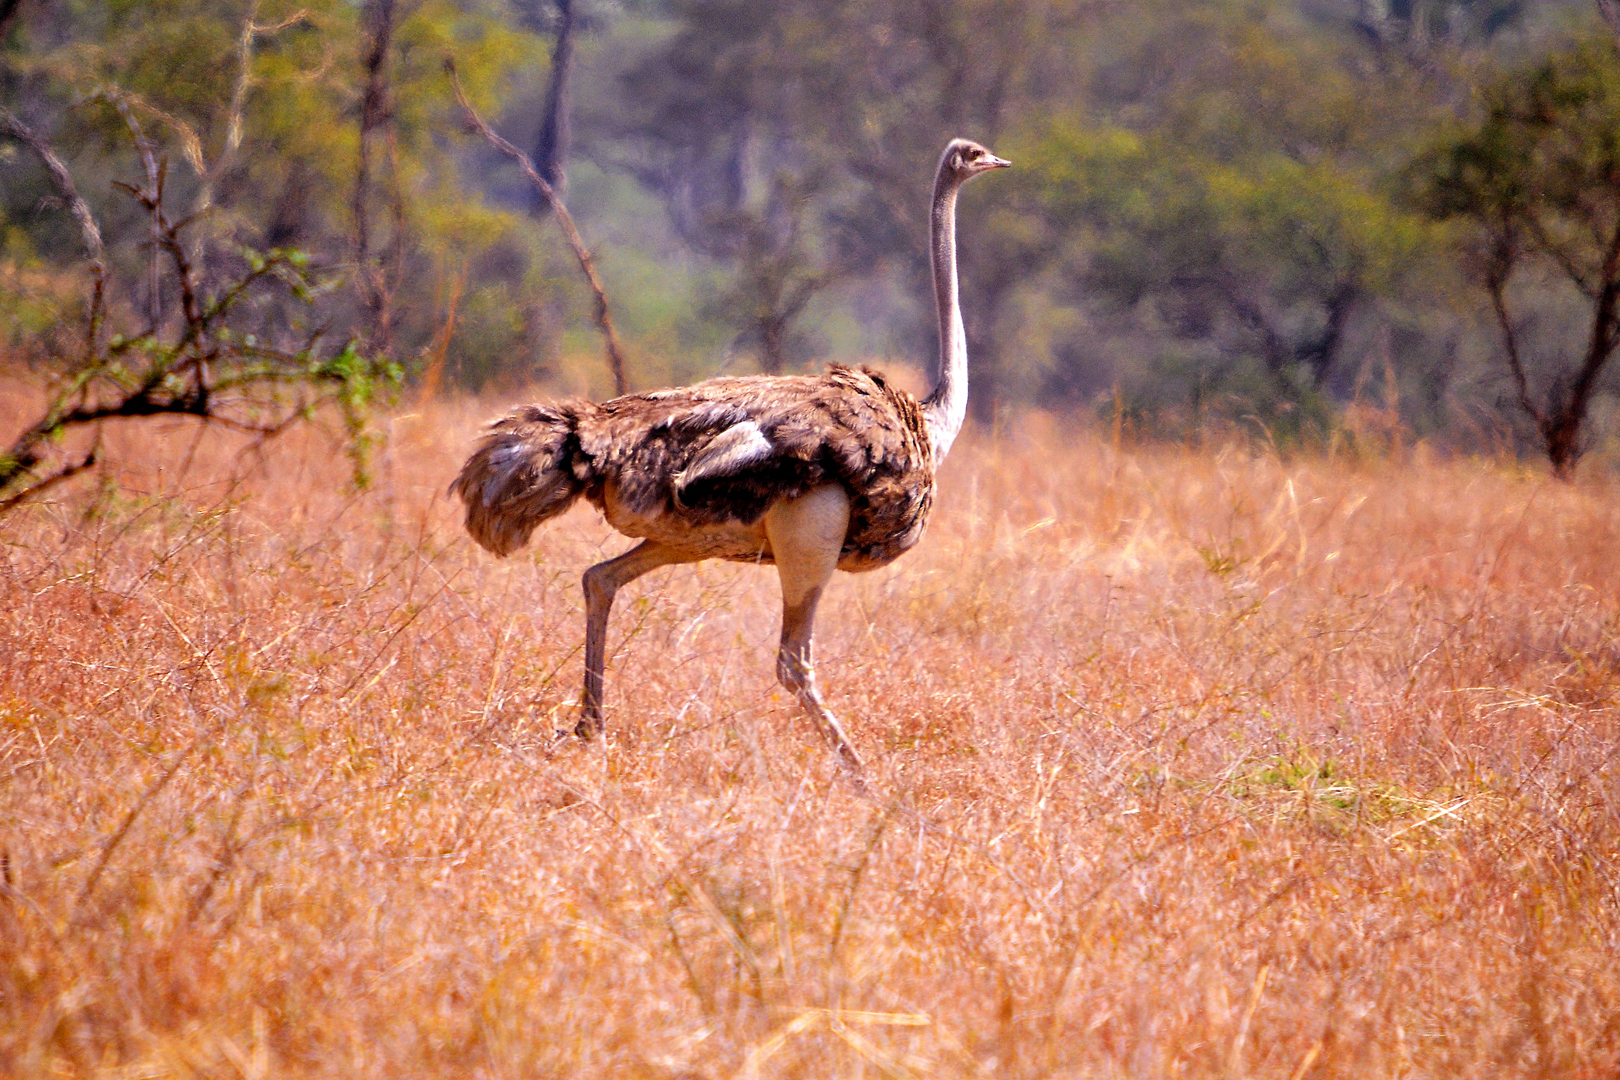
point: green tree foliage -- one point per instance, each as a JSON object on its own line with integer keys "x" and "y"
{"x": 1235, "y": 223}
{"x": 1207, "y": 213}
{"x": 795, "y": 141}
{"x": 256, "y": 106}
{"x": 200, "y": 363}
{"x": 1537, "y": 182}
{"x": 1210, "y": 181}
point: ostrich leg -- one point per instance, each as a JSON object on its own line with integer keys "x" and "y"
{"x": 806, "y": 535}
{"x": 602, "y": 583}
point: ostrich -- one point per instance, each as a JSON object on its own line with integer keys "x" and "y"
{"x": 810, "y": 472}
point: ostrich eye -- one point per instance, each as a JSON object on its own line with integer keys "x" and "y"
{"x": 975, "y": 155}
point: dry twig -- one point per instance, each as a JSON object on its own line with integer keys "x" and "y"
{"x": 600, "y": 313}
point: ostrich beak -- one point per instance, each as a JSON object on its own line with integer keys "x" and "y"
{"x": 998, "y": 163}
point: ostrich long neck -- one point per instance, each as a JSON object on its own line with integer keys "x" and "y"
{"x": 946, "y": 407}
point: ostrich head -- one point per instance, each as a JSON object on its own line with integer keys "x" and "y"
{"x": 965, "y": 159}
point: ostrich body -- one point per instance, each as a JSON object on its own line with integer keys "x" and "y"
{"x": 809, "y": 472}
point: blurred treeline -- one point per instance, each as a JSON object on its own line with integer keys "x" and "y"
{"x": 1213, "y": 210}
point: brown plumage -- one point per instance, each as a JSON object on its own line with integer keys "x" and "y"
{"x": 809, "y": 472}
{"x": 700, "y": 465}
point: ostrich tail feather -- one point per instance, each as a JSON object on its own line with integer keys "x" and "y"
{"x": 527, "y": 470}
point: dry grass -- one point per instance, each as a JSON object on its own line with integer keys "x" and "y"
{"x": 1238, "y": 766}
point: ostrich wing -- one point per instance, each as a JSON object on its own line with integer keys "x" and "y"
{"x": 726, "y": 449}
{"x": 734, "y": 449}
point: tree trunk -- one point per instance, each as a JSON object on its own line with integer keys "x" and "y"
{"x": 1561, "y": 430}
{"x": 375, "y": 112}
{"x": 1278, "y": 356}
{"x": 551, "y": 148}
{"x": 1321, "y": 353}
{"x": 1561, "y": 437}
{"x": 772, "y": 335}
{"x": 1610, "y": 10}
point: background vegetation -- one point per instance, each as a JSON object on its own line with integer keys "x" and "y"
{"x": 1232, "y": 210}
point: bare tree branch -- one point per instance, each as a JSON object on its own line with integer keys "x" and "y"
{"x": 154, "y": 169}
{"x": 600, "y": 314}
{"x": 252, "y": 30}
{"x": 1610, "y": 10}
{"x": 64, "y": 473}
{"x": 439, "y": 348}
{"x": 1558, "y": 254}
{"x": 244, "y": 79}
{"x": 1496, "y": 278}
{"x": 62, "y": 180}
{"x": 128, "y": 102}
{"x": 552, "y": 145}
{"x": 376, "y": 109}
{"x": 1561, "y": 431}
{"x": 175, "y": 378}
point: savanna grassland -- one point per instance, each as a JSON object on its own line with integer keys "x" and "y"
{"x": 1196, "y": 761}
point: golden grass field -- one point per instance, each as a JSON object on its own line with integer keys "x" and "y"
{"x": 1187, "y": 761}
